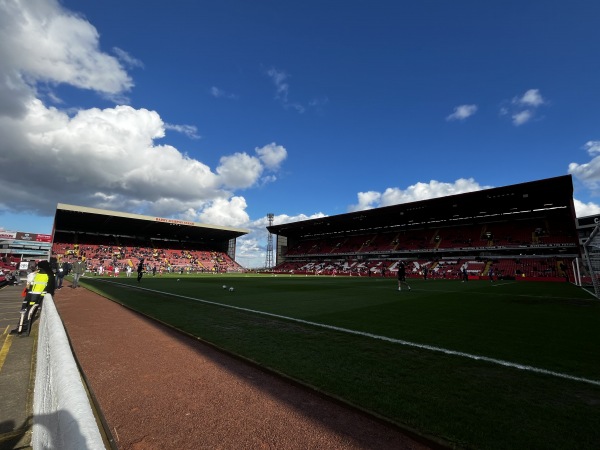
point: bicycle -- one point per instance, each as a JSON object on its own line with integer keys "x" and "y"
{"x": 31, "y": 305}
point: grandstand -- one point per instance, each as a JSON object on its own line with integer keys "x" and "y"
{"x": 524, "y": 231}
{"x": 110, "y": 239}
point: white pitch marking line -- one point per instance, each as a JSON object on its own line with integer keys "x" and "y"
{"x": 382, "y": 338}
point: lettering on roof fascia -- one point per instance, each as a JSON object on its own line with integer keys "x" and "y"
{"x": 174, "y": 221}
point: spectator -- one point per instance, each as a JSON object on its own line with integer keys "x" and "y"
{"x": 78, "y": 271}
{"x": 60, "y": 275}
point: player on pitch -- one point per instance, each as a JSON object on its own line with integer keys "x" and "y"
{"x": 402, "y": 276}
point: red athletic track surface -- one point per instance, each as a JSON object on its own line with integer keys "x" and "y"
{"x": 159, "y": 389}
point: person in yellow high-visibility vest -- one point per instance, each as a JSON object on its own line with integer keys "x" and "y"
{"x": 43, "y": 283}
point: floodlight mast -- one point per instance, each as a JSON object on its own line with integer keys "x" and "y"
{"x": 269, "y": 256}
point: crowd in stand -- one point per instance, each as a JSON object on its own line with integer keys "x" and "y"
{"x": 361, "y": 254}
{"x": 550, "y": 267}
{"x": 101, "y": 257}
{"x": 115, "y": 260}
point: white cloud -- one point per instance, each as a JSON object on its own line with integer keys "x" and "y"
{"x": 585, "y": 209}
{"x": 522, "y": 117}
{"x": 239, "y": 170}
{"x": 228, "y": 212}
{"x": 592, "y": 147}
{"x": 366, "y": 200}
{"x": 252, "y": 248}
{"x": 108, "y": 158}
{"x": 272, "y": 155}
{"x": 415, "y": 192}
{"x": 530, "y": 98}
{"x": 462, "y": 112}
{"x": 523, "y": 109}
{"x": 41, "y": 41}
{"x": 588, "y": 173}
{"x": 190, "y": 131}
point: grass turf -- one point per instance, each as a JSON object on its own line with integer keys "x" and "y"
{"x": 467, "y": 402}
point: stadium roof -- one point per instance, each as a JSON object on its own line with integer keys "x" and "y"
{"x": 80, "y": 219}
{"x": 548, "y": 195}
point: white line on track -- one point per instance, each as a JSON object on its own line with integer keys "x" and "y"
{"x": 432, "y": 348}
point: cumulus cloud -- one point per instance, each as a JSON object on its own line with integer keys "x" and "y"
{"x": 522, "y": 117}
{"x": 530, "y": 98}
{"x": 229, "y": 212}
{"x": 524, "y": 108}
{"x": 42, "y": 42}
{"x": 252, "y": 249}
{"x": 239, "y": 170}
{"x": 592, "y": 147}
{"x": 272, "y": 155}
{"x": 367, "y": 200}
{"x": 583, "y": 209}
{"x": 588, "y": 173}
{"x": 462, "y": 112}
{"x": 108, "y": 158}
{"x": 415, "y": 192}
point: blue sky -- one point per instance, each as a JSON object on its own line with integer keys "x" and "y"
{"x": 222, "y": 112}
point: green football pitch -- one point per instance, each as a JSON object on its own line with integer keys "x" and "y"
{"x": 483, "y": 365}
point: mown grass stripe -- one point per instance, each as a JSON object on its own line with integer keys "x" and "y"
{"x": 378, "y": 337}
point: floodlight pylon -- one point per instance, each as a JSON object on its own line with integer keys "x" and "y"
{"x": 269, "y": 254}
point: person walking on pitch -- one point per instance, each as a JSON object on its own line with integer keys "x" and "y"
{"x": 402, "y": 276}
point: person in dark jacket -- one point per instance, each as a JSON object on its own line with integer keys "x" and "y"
{"x": 402, "y": 276}
{"x": 60, "y": 274}
{"x": 140, "y": 270}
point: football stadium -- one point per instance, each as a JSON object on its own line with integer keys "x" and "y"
{"x": 493, "y": 346}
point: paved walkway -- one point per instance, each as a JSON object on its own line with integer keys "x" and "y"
{"x": 17, "y": 365}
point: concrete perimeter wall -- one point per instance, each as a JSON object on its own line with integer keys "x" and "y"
{"x": 62, "y": 414}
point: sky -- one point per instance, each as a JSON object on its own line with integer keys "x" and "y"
{"x": 222, "y": 112}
